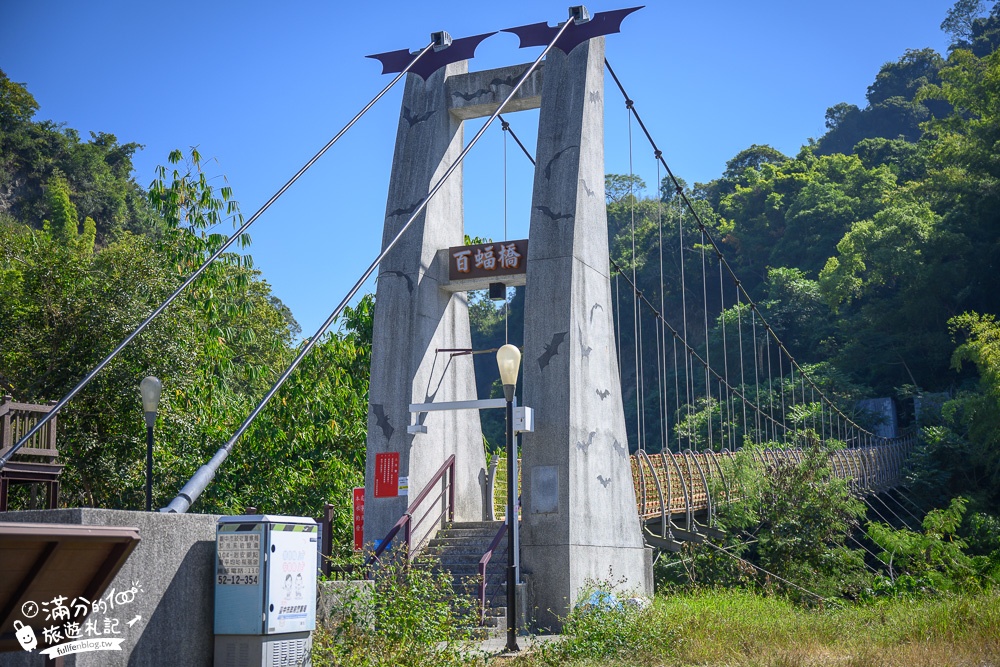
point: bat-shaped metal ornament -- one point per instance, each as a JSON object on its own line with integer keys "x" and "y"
{"x": 551, "y": 349}
{"x": 462, "y": 48}
{"x": 602, "y": 23}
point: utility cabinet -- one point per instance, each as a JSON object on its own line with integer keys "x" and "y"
{"x": 265, "y": 590}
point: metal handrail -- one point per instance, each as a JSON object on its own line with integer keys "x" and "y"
{"x": 483, "y": 562}
{"x": 405, "y": 521}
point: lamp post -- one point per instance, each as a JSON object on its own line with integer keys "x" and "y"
{"x": 150, "y": 389}
{"x": 509, "y": 361}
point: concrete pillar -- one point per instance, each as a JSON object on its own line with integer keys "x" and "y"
{"x": 579, "y": 512}
{"x": 414, "y": 318}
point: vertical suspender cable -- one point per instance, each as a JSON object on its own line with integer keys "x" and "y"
{"x": 232, "y": 239}
{"x": 661, "y": 340}
{"x": 708, "y": 358}
{"x": 743, "y": 381}
{"x": 688, "y": 387}
{"x": 193, "y": 489}
{"x": 677, "y": 396}
{"x": 635, "y": 298}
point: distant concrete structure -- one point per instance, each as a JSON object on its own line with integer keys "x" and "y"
{"x": 579, "y": 514}
{"x": 884, "y": 410}
{"x": 172, "y": 570}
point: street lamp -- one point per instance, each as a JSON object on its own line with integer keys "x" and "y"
{"x": 150, "y": 389}
{"x": 509, "y": 361}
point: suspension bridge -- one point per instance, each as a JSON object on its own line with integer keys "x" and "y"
{"x": 705, "y": 372}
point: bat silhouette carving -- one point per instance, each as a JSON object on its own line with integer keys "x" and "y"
{"x": 462, "y": 48}
{"x": 593, "y": 308}
{"x": 405, "y": 211}
{"x": 586, "y": 349}
{"x": 551, "y": 349}
{"x": 594, "y": 96}
{"x": 548, "y": 166}
{"x": 620, "y": 448}
{"x": 382, "y": 420}
{"x": 409, "y": 280}
{"x": 510, "y": 81}
{"x": 603, "y": 393}
{"x": 601, "y": 23}
{"x": 473, "y": 95}
{"x": 552, "y": 215}
{"x": 412, "y": 119}
{"x": 604, "y": 480}
{"x": 584, "y": 446}
{"x": 590, "y": 193}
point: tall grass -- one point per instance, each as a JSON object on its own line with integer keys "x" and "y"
{"x": 736, "y": 628}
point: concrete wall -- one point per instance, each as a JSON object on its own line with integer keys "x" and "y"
{"x": 173, "y": 566}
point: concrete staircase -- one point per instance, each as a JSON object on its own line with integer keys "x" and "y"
{"x": 458, "y": 548}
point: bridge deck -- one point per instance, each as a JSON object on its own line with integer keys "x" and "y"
{"x": 671, "y": 484}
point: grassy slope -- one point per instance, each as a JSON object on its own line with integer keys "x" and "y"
{"x": 716, "y": 628}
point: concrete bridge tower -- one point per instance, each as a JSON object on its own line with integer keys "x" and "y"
{"x": 579, "y": 518}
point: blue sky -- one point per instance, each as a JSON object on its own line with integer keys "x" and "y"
{"x": 260, "y": 86}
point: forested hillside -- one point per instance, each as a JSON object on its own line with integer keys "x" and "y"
{"x": 86, "y": 254}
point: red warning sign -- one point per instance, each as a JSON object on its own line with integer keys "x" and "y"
{"x": 387, "y": 475}
{"x": 359, "y": 518}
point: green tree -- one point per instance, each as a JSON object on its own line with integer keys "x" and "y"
{"x": 64, "y": 223}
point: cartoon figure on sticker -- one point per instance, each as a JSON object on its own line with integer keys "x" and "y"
{"x": 25, "y": 636}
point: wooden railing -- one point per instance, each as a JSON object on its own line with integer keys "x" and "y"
{"x": 16, "y": 419}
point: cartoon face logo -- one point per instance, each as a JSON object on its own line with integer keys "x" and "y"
{"x": 288, "y": 587}
{"x": 25, "y": 636}
{"x": 299, "y": 585}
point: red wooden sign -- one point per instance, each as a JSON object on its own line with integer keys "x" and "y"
{"x": 387, "y": 475}
{"x": 359, "y": 518}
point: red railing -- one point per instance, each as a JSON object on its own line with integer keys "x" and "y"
{"x": 483, "y": 562}
{"x": 406, "y": 522}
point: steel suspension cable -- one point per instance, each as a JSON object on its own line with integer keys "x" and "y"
{"x": 708, "y": 357}
{"x": 725, "y": 350}
{"x": 701, "y": 225}
{"x": 743, "y": 381}
{"x": 232, "y": 239}
{"x": 193, "y": 489}
{"x": 690, "y": 351}
{"x": 635, "y": 301}
{"x": 770, "y": 574}
{"x": 661, "y": 332}
{"x": 688, "y": 379}
{"x": 893, "y": 512}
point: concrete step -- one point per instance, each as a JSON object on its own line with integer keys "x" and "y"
{"x": 462, "y": 547}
